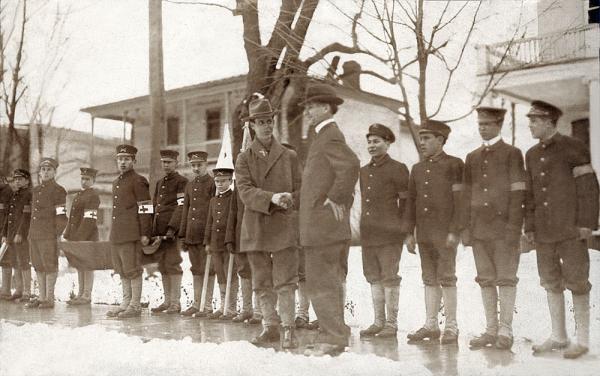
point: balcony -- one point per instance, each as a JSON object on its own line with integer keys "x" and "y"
{"x": 558, "y": 48}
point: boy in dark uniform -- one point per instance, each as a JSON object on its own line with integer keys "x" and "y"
{"x": 48, "y": 221}
{"x": 562, "y": 212}
{"x": 15, "y": 233}
{"x": 433, "y": 207}
{"x": 193, "y": 223}
{"x": 131, "y": 229}
{"x": 383, "y": 186}
{"x": 82, "y": 226}
{"x": 168, "y": 201}
{"x": 214, "y": 240}
{"x": 494, "y": 194}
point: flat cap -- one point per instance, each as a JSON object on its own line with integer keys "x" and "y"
{"x": 21, "y": 173}
{"x": 541, "y": 108}
{"x": 490, "y": 114}
{"x": 436, "y": 127}
{"x": 49, "y": 162}
{"x": 88, "y": 171}
{"x": 126, "y": 150}
{"x": 197, "y": 156}
{"x": 381, "y": 131}
{"x": 166, "y": 155}
{"x": 222, "y": 171}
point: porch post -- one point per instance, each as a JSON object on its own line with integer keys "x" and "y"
{"x": 594, "y": 88}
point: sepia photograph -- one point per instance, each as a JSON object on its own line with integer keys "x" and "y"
{"x": 299, "y": 187}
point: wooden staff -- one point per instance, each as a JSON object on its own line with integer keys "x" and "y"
{"x": 205, "y": 283}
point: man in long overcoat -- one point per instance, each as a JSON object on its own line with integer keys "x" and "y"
{"x": 268, "y": 181}
{"x": 330, "y": 175}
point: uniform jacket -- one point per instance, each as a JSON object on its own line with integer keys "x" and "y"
{"x": 331, "y": 171}
{"x": 494, "y": 191}
{"x": 234, "y": 221}
{"x": 195, "y": 209}
{"x": 5, "y": 196}
{"x": 83, "y": 216}
{"x": 564, "y": 189}
{"x": 48, "y": 211}
{"x": 216, "y": 221}
{"x": 433, "y": 205}
{"x": 130, "y": 219}
{"x": 383, "y": 190}
{"x": 18, "y": 215}
{"x": 260, "y": 174}
{"x": 168, "y": 203}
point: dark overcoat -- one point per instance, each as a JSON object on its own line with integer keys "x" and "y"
{"x": 48, "y": 211}
{"x": 168, "y": 202}
{"x": 18, "y": 215}
{"x": 130, "y": 218}
{"x": 83, "y": 216}
{"x": 259, "y": 175}
{"x": 195, "y": 209}
{"x": 331, "y": 171}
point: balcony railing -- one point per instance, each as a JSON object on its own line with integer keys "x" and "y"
{"x": 566, "y": 46}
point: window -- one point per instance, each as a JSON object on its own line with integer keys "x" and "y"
{"x": 213, "y": 124}
{"x": 173, "y": 131}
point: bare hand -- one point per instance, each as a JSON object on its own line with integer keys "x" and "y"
{"x": 207, "y": 248}
{"x": 230, "y": 248}
{"x": 530, "y": 237}
{"x": 585, "y": 233}
{"x": 286, "y": 201}
{"x": 338, "y": 210}
{"x": 4, "y": 239}
{"x": 411, "y": 244}
{"x": 451, "y": 241}
{"x": 145, "y": 240}
{"x": 184, "y": 247}
{"x": 18, "y": 239}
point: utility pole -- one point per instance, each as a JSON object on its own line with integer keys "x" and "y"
{"x": 157, "y": 87}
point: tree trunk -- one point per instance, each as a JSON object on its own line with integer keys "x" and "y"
{"x": 157, "y": 105}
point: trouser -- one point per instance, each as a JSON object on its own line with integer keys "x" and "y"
{"x": 169, "y": 259}
{"x": 564, "y": 264}
{"x": 197, "y": 256}
{"x": 381, "y": 264}
{"x": 303, "y": 301}
{"x": 44, "y": 255}
{"x": 220, "y": 262}
{"x": 127, "y": 259}
{"x": 497, "y": 262}
{"x": 17, "y": 256}
{"x": 325, "y": 277}
{"x": 275, "y": 279}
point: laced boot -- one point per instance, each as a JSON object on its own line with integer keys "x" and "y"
{"x": 175, "y": 285}
{"x": 378, "y": 298}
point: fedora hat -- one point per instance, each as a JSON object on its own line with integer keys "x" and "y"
{"x": 260, "y": 107}
{"x": 321, "y": 93}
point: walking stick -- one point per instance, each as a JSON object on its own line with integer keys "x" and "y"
{"x": 205, "y": 283}
{"x": 228, "y": 288}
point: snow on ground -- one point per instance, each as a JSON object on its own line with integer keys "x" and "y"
{"x": 40, "y": 349}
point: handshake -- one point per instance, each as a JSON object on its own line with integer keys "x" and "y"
{"x": 283, "y": 199}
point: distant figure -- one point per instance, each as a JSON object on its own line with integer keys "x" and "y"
{"x": 494, "y": 194}
{"x": 433, "y": 207}
{"x": 562, "y": 211}
{"x": 383, "y": 189}
{"x": 329, "y": 177}
{"x": 83, "y": 226}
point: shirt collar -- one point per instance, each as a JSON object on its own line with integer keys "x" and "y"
{"x": 436, "y": 157}
{"x": 220, "y": 194}
{"x": 323, "y": 124}
{"x": 379, "y": 161}
{"x": 492, "y": 141}
{"x": 550, "y": 140}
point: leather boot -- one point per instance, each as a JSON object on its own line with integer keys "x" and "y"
{"x": 378, "y": 298}
{"x": 559, "y": 339}
{"x": 6, "y": 292}
{"x": 126, "y": 286}
{"x": 581, "y": 306}
{"x": 175, "y": 306}
{"x": 508, "y": 295}
{"x": 489, "y": 297}
{"x": 195, "y": 307}
{"x": 431, "y": 329}
{"x": 286, "y": 298}
{"x": 303, "y": 303}
{"x": 166, "y": 282}
{"x": 135, "y": 308}
{"x": 50, "y": 283}
{"x": 450, "y": 334}
{"x": 246, "y": 314}
{"x": 289, "y": 340}
{"x": 268, "y": 335}
{"x": 392, "y": 300}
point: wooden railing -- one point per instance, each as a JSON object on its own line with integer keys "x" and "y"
{"x": 565, "y": 46}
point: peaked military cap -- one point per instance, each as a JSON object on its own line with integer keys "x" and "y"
{"x": 541, "y": 108}
{"x": 49, "y": 162}
{"x": 260, "y": 107}
{"x": 197, "y": 156}
{"x": 126, "y": 150}
{"x": 167, "y": 154}
{"x": 321, "y": 93}
{"x": 21, "y": 173}
{"x": 88, "y": 171}
{"x": 490, "y": 114}
{"x": 381, "y": 131}
{"x": 222, "y": 172}
{"x": 436, "y": 127}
